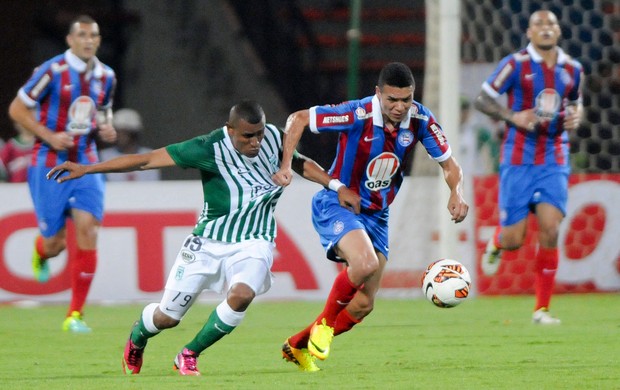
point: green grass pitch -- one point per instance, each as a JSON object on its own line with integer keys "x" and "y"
{"x": 485, "y": 343}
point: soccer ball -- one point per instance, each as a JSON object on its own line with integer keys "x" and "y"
{"x": 446, "y": 283}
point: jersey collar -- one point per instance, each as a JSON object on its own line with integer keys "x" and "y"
{"x": 377, "y": 117}
{"x": 538, "y": 58}
{"x": 76, "y": 63}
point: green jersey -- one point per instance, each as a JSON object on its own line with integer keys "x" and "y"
{"x": 239, "y": 195}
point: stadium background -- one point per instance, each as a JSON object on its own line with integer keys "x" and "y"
{"x": 183, "y": 63}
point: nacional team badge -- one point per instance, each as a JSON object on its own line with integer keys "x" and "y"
{"x": 405, "y": 138}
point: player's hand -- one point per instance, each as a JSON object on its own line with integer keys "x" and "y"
{"x": 349, "y": 199}
{"x": 526, "y": 119}
{"x": 572, "y": 118}
{"x": 107, "y": 133}
{"x": 75, "y": 171}
{"x": 59, "y": 141}
{"x": 457, "y": 207}
{"x": 283, "y": 177}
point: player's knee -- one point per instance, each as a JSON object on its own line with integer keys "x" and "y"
{"x": 54, "y": 246}
{"x": 240, "y": 296}
{"x": 363, "y": 307}
{"x": 163, "y": 321}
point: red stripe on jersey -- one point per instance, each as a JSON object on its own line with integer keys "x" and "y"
{"x": 342, "y": 143}
{"x": 528, "y": 101}
{"x": 543, "y": 128}
{"x": 362, "y": 155}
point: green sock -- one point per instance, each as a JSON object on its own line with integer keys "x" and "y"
{"x": 213, "y": 330}
{"x": 139, "y": 334}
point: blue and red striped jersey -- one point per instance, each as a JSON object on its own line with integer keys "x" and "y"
{"x": 530, "y": 83}
{"x": 370, "y": 159}
{"x": 66, "y": 97}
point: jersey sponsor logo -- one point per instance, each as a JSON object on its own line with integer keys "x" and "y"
{"x": 548, "y": 103}
{"x": 405, "y": 138}
{"x": 380, "y": 171}
{"x": 529, "y": 76}
{"x": 187, "y": 256}
{"x": 41, "y": 84}
{"x": 369, "y": 139}
{"x": 335, "y": 119}
{"x": 81, "y": 113}
{"x": 501, "y": 77}
{"x": 360, "y": 112}
{"x": 420, "y": 116}
{"x": 261, "y": 189}
{"x": 438, "y": 134}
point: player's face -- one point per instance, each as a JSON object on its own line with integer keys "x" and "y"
{"x": 246, "y": 137}
{"x": 544, "y": 30}
{"x": 395, "y": 102}
{"x": 84, "y": 40}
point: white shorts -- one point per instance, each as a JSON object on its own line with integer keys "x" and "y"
{"x": 204, "y": 264}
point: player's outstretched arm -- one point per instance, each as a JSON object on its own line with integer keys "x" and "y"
{"x": 132, "y": 162}
{"x": 295, "y": 125}
{"x": 457, "y": 206}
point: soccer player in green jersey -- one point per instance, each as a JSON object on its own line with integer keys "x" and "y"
{"x": 233, "y": 241}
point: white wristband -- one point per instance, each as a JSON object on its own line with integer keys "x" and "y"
{"x": 335, "y": 184}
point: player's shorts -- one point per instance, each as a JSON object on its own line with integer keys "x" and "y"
{"x": 332, "y": 222}
{"x": 53, "y": 201}
{"x": 204, "y": 264}
{"x": 522, "y": 187}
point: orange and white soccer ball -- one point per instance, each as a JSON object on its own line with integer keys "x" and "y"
{"x": 446, "y": 283}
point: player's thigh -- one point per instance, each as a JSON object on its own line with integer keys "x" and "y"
{"x": 253, "y": 273}
{"x": 516, "y": 189}
{"x": 175, "y": 304}
{"x": 251, "y": 265}
{"x": 50, "y": 200}
{"x": 355, "y": 246}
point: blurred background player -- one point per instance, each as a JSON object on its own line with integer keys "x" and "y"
{"x": 544, "y": 103}
{"x": 15, "y": 156}
{"x": 65, "y": 93}
{"x": 231, "y": 247}
{"x": 129, "y": 129}
{"x": 376, "y": 134}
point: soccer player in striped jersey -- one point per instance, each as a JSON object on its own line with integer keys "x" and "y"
{"x": 544, "y": 103}
{"x": 233, "y": 241}
{"x": 376, "y": 134}
{"x": 59, "y": 104}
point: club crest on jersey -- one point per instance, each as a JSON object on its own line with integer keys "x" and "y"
{"x": 405, "y": 138}
{"x": 548, "y": 103}
{"x": 380, "y": 171}
{"x": 360, "y": 112}
{"x": 338, "y": 227}
{"x": 81, "y": 113}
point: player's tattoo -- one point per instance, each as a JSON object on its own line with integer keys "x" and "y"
{"x": 492, "y": 108}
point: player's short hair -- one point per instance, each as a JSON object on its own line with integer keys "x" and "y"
{"x": 86, "y": 19}
{"x": 396, "y": 74}
{"x": 248, "y": 110}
